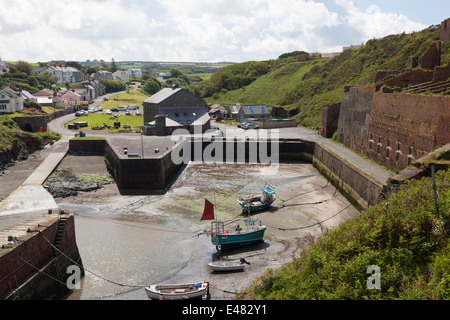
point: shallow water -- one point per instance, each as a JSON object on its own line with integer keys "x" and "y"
{"x": 120, "y": 257}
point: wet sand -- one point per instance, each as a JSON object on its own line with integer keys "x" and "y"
{"x": 144, "y": 239}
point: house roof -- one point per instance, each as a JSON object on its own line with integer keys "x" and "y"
{"x": 45, "y": 92}
{"x": 162, "y": 95}
{"x": 186, "y": 116}
{"x": 10, "y": 92}
{"x": 255, "y": 109}
{"x": 27, "y": 95}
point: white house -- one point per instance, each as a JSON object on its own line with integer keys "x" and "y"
{"x": 64, "y": 74}
{"x": 134, "y": 72}
{"x": 122, "y": 75}
{"x": 2, "y": 67}
{"x": 10, "y": 101}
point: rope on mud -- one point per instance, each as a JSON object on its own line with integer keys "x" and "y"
{"x": 93, "y": 273}
{"x": 312, "y": 225}
{"x": 141, "y": 227}
{"x": 320, "y": 222}
{"x": 226, "y": 291}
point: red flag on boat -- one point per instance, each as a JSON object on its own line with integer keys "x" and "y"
{"x": 208, "y": 212}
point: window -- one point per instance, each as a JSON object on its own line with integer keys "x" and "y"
{"x": 185, "y": 114}
{"x": 176, "y": 114}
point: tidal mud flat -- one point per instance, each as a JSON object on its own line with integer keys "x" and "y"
{"x": 129, "y": 241}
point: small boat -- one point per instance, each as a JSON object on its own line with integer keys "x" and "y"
{"x": 260, "y": 202}
{"x": 225, "y": 239}
{"x": 185, "y": 291}
{"x": 224, "y": 266}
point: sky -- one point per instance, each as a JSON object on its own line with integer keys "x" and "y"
{"x": 201, "y": 30}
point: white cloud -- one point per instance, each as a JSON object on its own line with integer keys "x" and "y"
{"x": 185, "y": 30}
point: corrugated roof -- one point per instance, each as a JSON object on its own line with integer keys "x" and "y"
{"x": 162, "y": 95}
{"x": 255, "y": 109}
{"x": 186, "y": 116}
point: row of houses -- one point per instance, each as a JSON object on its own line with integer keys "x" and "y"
{"x": 73, "y": 75}
{"x": 240, "y": 112}
{"x": 12, "y": 101}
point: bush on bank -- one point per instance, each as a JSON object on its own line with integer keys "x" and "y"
{"x": 410, "y": 246}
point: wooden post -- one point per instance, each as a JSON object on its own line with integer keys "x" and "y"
{"x": 434, "y": 190}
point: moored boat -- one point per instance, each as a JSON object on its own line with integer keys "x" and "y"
{"x": 225, "y": 239}
{"x": 199, "y": 290}
{"x": 225, "y": 266}
{"x": 260, "y": 202}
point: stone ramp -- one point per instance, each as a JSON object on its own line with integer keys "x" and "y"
{"x": 31, "y": 195}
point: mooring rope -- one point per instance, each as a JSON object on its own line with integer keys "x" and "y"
{"x": 82, "y": 267}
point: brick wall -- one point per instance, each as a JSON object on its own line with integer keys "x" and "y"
{"x": 404, "y": 127}
{"x": 354, "y": 113}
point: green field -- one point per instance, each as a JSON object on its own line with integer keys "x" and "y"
{"x": 135, "y": 97}
{"x": 94, "y": 120}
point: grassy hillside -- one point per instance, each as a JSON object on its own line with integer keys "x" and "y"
{"x": 410, "y": 246}
{"x": 17, "y": 144}
{"x": 312, "y": 85}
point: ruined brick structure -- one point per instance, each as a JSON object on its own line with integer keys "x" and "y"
{"x": 432, "y": 57}
{"x": 405, "y": 116}
{"x": 445, "y": 30}
{"x": 330, "y": 115}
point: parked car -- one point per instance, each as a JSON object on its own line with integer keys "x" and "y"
{"x": 138, "y": 112}
{"x": 79, "y": 113}
{"x": 217, "y": 133}
{"x": 108, "y": 112}
{"x": 127, "y": 113}
{"x": 243, "y": 124}
{"x": 115, "y": 110}
{"x": 91, "y": 109}
{"x": 251, "y": 126}
{"x": 122, "y": 108}
{"x": 132, "y": 107}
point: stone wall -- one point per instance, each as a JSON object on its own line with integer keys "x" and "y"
{"x": 140, "y": 174}
{"x": 80, "y": 146}
{"x": 351, "y": 180}
{"x": 31, "y": 123}
{"x": 34, "y": 251}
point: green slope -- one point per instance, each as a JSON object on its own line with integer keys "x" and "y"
{"x": 311, "y": 85}
{"x": 410, "y": 245}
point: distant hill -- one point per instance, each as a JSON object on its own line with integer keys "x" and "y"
{"x": 311, "y": 85}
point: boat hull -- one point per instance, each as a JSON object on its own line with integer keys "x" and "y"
{"x": 226, "y": 267}
{"x": 228, "y": 241}
{"x": 178, "y": 291}
{"x": 255, "y": 208}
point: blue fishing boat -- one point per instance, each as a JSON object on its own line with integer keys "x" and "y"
{"x": 250, "y": 233}
{"x": 260, "y": 202}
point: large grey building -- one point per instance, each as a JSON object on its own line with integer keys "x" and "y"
{"x": 180, "y": 108}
